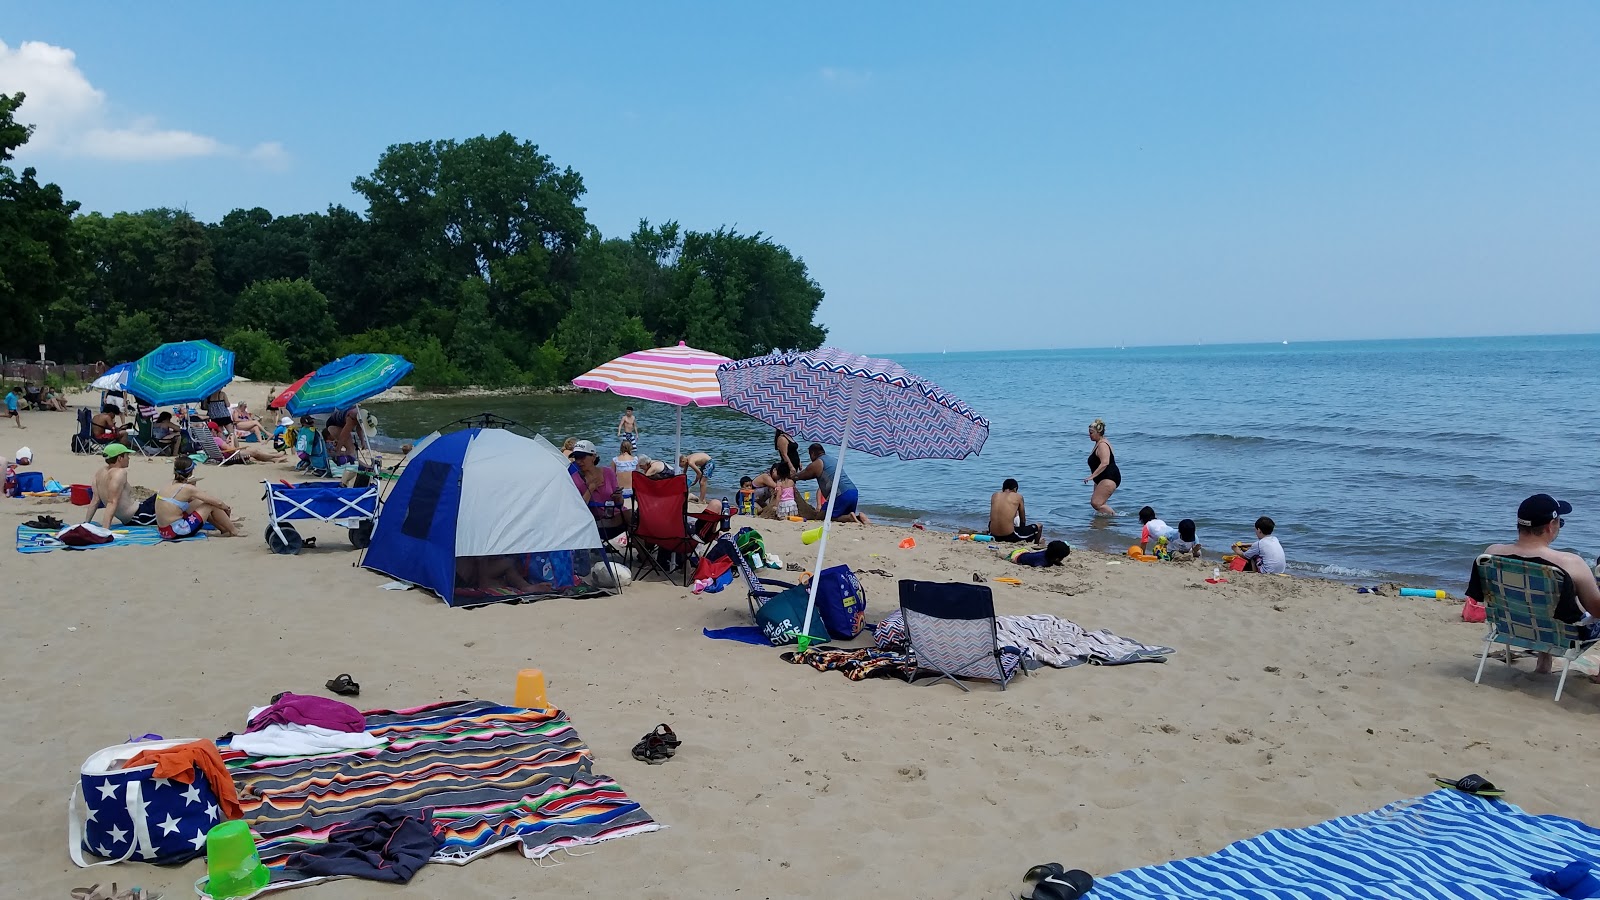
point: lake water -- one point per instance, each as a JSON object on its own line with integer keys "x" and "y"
{"x": 1377, "y": 459}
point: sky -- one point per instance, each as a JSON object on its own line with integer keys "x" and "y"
{"x": 956, "y": 176}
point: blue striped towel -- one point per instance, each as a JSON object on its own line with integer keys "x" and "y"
{"x": 1445, "y": 845}
{"x": 43, "y": 540}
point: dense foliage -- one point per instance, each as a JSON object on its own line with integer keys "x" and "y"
{"x": 474, "y": 260}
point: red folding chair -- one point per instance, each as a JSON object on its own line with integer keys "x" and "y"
{"x": 661, "y": 528}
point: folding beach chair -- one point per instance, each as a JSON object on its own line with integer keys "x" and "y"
{"x": 206, "y": 442}
{"x": 1521, "y": 598}
{"x": 83, "y": 441}
{"x": 661, "y": 527}
{"x": 761, "y": 589}
{"x": 952, "y": 630}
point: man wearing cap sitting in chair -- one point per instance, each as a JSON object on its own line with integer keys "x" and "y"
{"x": 1538, "y": 525}
{"x": 112, "y": 495}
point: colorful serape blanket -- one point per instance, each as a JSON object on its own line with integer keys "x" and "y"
{"x": 1443, "y": 846}
{"x": 494, "y": 776}
{"x": 43, "y": 540}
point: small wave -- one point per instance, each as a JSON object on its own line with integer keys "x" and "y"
{"x": 1330, "y": 570}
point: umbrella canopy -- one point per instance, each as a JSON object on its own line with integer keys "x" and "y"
{"x": 282, "y": 400}
{"x": 678, "y": 375}
{"x": 347, "y": 381}
{"x": 180, "y": 372}
{"x": 114, "y": 378}
{"x": 834, "y": 397}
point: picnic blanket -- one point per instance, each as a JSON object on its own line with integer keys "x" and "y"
{"x": 1443, "y": 846}
{"x": 1048, "y": 640}
{"x": 43, "y": 540}
{"x": 494, "y": 776}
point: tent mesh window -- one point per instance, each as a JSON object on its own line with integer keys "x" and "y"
{"x": 425, "y": 498}
{"x": 566, "y": 573}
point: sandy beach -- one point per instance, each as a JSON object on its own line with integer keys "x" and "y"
{"x": 1288, "y": 701}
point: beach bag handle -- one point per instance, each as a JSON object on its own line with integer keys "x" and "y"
{"x": 76, "y": 825}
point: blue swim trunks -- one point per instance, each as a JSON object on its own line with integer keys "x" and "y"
{"x": 847, "y": 503}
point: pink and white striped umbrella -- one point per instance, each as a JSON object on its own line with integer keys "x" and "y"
{"x": 678, "y": 375}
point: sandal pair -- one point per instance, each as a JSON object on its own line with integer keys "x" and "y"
{"x": 46, "y": 523}
{"x": 1053, "y": 881}
{"x": 93, "y": 892}
{"x": 658, "y": 746}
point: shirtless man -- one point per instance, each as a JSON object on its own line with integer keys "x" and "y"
{"x": 1006, "y": 509}
{"x": 113, "y": 502}
{"x": 699, "y": 467}
{"x": 1538, "y": 524}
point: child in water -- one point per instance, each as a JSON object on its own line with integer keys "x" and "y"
{"x": 1185, "y": 545}
{"x": 1054, "y": 554}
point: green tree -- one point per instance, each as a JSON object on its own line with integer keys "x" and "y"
{"x": 36, "y": 258}
{"x": 293, "y": 313}
{"x": 131, "y": 337}
{"x": 475, "y": 345}
{"x": 249, "y": 245}
{"x": 257, "y": 355}
{"x": 187, "y": 279}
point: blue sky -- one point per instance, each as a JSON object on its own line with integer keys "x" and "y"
{"x": 1024, "y": 175}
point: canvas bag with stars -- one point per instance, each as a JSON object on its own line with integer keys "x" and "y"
{"x": 128, "y": 814}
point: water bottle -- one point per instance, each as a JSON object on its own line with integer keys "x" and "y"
{"x": 1216, "y": 574}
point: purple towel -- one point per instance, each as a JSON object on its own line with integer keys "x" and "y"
{"x": 303, "y": 709}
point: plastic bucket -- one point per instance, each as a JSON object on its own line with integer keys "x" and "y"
{"x": 82, "y": 494}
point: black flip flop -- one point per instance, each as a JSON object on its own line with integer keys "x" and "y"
{"x": 1476, "y": 785}
{"x": 1053, "y": 881}
{"x": 343, "y": 686}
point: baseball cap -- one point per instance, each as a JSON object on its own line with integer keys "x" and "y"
{"x": 585, "y": 447}
{"x": 112, "y": 451}
{"x": 1539, "y": 509}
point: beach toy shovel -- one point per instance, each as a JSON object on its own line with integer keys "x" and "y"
{"x": 233, "y": 868}
{"x": 810, "y": 535}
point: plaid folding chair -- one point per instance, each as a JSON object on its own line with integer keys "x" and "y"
{"x": 1521, "y": 598}
{"x": 661, "y": 527}
{"x": 952, "y": 630}
{"x": 761, "y": 589}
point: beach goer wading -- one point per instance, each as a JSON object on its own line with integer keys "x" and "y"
{"x": 1539, "y": 521}
{"x": 1008, "y": 516}
{"x": 1103, "y": 471}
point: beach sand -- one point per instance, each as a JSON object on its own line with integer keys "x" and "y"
{"x": 1286, "y": 703}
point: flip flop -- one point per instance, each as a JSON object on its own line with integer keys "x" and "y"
{"x": 343, "y": 686}
{"x": 1476, "y": 785}
{"x": 1053, "y": 881}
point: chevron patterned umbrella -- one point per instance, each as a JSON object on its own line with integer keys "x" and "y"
{"x": 833, "y": 397}
{"x": 180, "y": 373}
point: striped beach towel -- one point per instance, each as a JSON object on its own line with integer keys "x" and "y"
{"x": 1444, "y": 846}
{"x": 43, "y": 540}
{"x": 494, "y": 776}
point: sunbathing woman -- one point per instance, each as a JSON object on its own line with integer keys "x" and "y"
{"x": 183, "y": 509}
{"x": 246, "y": 423}
{"x": 248, "y": 452}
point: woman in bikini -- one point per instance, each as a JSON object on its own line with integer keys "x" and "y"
{"x": 625, "y": 464}
{"x": 1103, "y": 470}
{"x": 183, "y": 509}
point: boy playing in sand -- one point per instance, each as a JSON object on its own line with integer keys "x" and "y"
{"x": 747, "y": 496}
{"x": 11, "y": 408}
{"x": 1054, "y": 554}
{"x": 1266, "y": 554}
{"x": 1186, "y": 545}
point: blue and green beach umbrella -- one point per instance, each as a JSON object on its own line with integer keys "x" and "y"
{"x": 347, "y": 381}
{"x": 182, "y": 372}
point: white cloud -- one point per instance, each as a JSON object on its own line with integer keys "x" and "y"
{"x": 72, "y": 117}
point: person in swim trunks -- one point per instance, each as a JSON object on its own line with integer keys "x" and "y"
{"x": 698, "y": 466}
{"x": 627, "y": 428}
{"x": 182, "y": 509}
{"x": 1008, "y": 516}
{"x": 1103, "y": 470}
{"x": 113, "y": 499}
{"x": 824, "y": 470}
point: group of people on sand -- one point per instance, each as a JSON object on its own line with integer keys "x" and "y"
{"x": 179, "y": 510}
{"x": 775, "y": 493}
{"x": 35, "y": 397}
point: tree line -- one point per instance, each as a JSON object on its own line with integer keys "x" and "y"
{"x": 473, "y": 260}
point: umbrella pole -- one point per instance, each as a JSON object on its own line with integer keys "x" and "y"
{"x": 678, "y": 454}
{"x": 827, "y": 521}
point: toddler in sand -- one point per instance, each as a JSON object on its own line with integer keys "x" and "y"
{"x": 1054, "y": 554}
{"x": 1152, "y": 529}
{"x": 1185, "y": 545}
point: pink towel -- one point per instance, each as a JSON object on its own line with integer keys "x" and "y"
{"x": 302, "y": 709}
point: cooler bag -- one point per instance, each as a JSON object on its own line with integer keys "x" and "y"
{"x": 841, "y": 602}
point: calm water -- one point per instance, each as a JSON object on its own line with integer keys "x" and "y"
{"x": 1376, "y": 459}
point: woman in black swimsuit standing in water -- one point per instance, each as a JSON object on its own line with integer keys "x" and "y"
{"x": 1103, "y": 470}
